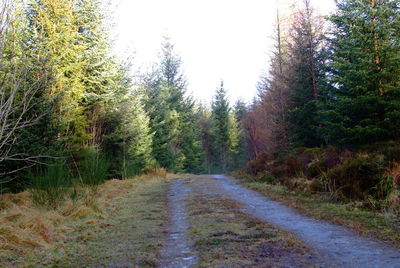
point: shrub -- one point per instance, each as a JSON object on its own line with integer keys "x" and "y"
{"x": 259, "y": 165}
{"x": 279, "y": 170}
{"x": 390, "y": 149}
{"x": 358, "y": 176}
{"x": 294, "y": 166}
{"x": 323, "y": 161}
{"x": 266, "y": 177}
{"x": 50, "y": 184}
{"x": 94, "y": 167}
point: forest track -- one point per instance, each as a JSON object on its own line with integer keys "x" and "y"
{"x": 322, "y": 244}
{"x": 337, "y": 245}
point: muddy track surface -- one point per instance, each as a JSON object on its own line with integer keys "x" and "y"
{"x": 328, "y": 245}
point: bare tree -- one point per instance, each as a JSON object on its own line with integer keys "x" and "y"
{"x": 255, "y": 125}
{"x": 16, "y": 96}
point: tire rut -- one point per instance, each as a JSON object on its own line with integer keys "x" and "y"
{"x": 177, "y": 252}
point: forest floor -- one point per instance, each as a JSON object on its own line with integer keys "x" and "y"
{"x": 202, "y": 221}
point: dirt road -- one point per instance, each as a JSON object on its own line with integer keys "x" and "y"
{"x": 321, "y": 244}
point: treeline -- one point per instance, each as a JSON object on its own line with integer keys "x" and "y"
{"x": 333, "y": 86}
{"x": 70, "y": 112}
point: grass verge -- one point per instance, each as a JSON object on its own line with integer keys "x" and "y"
{"x": 122, "y": 226}
{"x": 367, "y": 223}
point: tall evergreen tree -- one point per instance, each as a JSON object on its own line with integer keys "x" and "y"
{"x": 308, "y": 57}
{"x": 225, "y": 140}
{"x": 157, "y": 109}
{"x": 205, "y": 126}
{"x": 101, "y": 72}
{"x": 365, "y": 102}
{"x": 55, "y": 25}
{"x": 240, "y": 112}
{"x": 274, "y": 92}
{"x": 176, "y": 144}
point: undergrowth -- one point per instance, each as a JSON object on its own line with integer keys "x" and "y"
{"x": 369, "y": 175}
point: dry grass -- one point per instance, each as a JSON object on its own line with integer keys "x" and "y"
{"x": 26, "y": 229}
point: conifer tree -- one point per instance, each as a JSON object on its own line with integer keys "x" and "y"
{"x": 240, "y": 111}
{"x": 176, "y": 144}
{"x": 157, "y": 109}
{"x": 308, "y": 56}
{"x": 56, "y": 31}
{"x": 101, "y": 73}
{"x": 225, "y": 128}
{"x": 365, "y": 103}
{"x": 24, "y": 77}
{"x": 274, "y": 92}
{"x": 205, "y": 126}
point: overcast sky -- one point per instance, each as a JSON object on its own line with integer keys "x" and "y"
{"x": 216, "y": 39}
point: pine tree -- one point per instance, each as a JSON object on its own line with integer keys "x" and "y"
{"x": 25, "y": 76}
{"x": 240, "y": 111}
{"x": 365, "y": 103}
{"x": 274, "y": 93}
{"x": 205, "y": 126}
{"x": 225, "y": 131}
{"x": 176, "y": 144}
{"x": 156, "y": 106}
{"x": 308, "y": 56}
{"x": 101, "y": 72}
{"x": 130, "y": 143}
{"x": 56, "y": 31}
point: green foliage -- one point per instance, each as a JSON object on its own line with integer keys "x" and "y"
{"x": 94, "y": 167}
{"x": 363, "y": 106}
{"x": 176, "y": 141}
{"x": 357, "y": 176}
{"x": 225, "y": 132}
{"x": 55, "y": 30}
{"x": 50, "y": 185}
{"x": 307, "y": 77}
{"x": 240, "y": 111}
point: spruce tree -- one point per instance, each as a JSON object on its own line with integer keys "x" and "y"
{"x": 308, "y": 56}
{"x": 156, "y": 106}
{"x": 101, "y": 71}
{"x": 240, "y": 111}
{"x": 25, "y": 111}
{"x": 176, "y": 142}
{"x": 274, "y": 93}
{"x": 205, "y": 126}
{"x": 225, "y": 131}
{"x": 56, "y": 31}
{"x": 365, "y": 102}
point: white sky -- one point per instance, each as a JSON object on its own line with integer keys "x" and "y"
{"x": 216, "y": 39}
